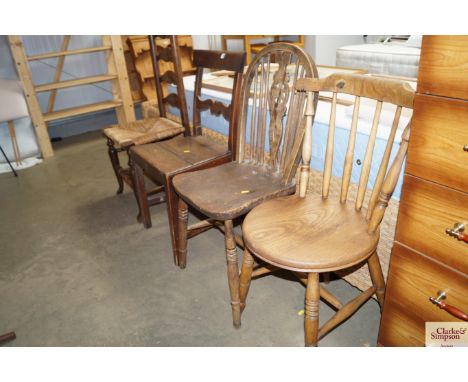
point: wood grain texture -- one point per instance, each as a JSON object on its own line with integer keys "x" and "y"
{"x": 426, "y": 211}
{"x": 413, "y": 278}
{"x": 230, "y": 190}
{"x": 437, "y": 141}
{"x": 381, "y": 89}
{"x": 309, "y": 234}
{"x": 443, "y": 66}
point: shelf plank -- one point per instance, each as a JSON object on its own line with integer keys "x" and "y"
{"x": 69, "y": 52}
{"x": 71, "y": 112}
{"x": 74, "y": 82}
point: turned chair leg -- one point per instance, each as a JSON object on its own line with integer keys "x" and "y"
{"x": 172, "y": 202}
{"x": 377, "y": 277}
{"x": 311, "y": 317}
{"x": 139, "y": 190}
{"x": 182, "y": 222}
{"x": 232, "y": 272}
{"x": 114, "y": 158}
{"x": 245, "y": 277}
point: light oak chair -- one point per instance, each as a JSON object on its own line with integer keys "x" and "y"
{"x": 311, "y": 234}
{"x": 161, "y": 161}
{"x": 272, "y": 116}
{"x": 122, "y": 137}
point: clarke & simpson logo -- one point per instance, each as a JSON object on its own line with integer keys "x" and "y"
{"x": 446, "y": 334}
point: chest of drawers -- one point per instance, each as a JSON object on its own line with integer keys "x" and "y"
{"x": 425, "y": 259}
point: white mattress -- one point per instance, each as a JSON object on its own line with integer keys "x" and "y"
{"x": 394, "y": 59}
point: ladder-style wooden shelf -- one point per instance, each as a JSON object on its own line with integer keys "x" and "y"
{"x": 75, "y": 82}
{"x": 78, "y": 110}
{"x": 117, "y": 74}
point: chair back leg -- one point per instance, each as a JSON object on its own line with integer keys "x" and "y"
{"x": 245, "y": 277}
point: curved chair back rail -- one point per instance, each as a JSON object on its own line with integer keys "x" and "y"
{"x": 383, "y": 91}
{"x": 218, "y": 60}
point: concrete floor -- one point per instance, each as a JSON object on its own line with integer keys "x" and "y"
{"x": 76, "y": 269}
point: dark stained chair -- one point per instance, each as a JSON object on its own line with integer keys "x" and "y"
{"x": 161, "y": 161}
{"x": 272, "y": 125}
{"x": 122, "y": 137}
{"x": 310, "y": 234}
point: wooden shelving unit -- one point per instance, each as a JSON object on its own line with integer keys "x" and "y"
{"x": 117, "y": 74}
{"x": 140, "y": 50}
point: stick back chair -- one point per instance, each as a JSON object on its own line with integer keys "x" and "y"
{"x": 272, "y": 125}
{"x": 161, "y": 161}
{"x": 311, "y": 234}
{"x": 122, "y": 137}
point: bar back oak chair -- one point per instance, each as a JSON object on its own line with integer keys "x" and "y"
{"x": 161, "y": 161}
{"x": 122, "y": 137}
{"x": 272, "y": 117}
{"x": 310, "y": 234}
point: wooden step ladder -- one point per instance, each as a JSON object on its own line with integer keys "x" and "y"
{"x": 117, "y": 74}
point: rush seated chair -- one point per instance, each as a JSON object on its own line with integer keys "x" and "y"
{"x": 161, "y": 161}
{"x": 310, "y": 234}
{"x": 272, "y": 117}
{"x": 122, "y": 137}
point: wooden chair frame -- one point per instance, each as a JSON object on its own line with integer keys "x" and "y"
{"x": 381, "y": 90}
{"x": 278, "y": 114}
{"x": 203, "y": 59}
{"x": 176, "y": 100}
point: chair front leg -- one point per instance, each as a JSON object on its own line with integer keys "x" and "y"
{"x": 182, "y": 222}
{"x": 245, "y": 277}
{"x": 311, "y": 317}
{"x": 114, "y": 158}
{"x": 172, "y": 203}
{"x": 377, "y": 277}
{"x": 232, "y": 272}
{"x": 139, "y": 190}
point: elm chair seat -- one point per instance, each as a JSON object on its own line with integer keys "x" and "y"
{"x": 309, "y": 234}
{"x": 244, "y": 186}
{"x": 143, "y": 131}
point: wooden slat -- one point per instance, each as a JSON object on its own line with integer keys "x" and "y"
{"x": 24, "y": 74}
{"x": 58, "y": 73}
{"x": 348, "y": 166}
{"x": 80, "y": 110}
{"x": 327, "y": 170}
{"x": 44, "y": 56}
{"x": 74, "y": 82}
{"x": 367, "y": 163}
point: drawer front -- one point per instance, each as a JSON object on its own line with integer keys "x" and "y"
{"x": 426, "y": 211}
{"x": 443, "y": 66}
{"x": 439, "y": 134}
{"x": 412, "y": 279}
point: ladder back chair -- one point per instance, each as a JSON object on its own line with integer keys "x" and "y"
{"x": 272, "y": 125}
{"x": 161, "y": 161}
{"x": 311, "y": 234}
{"x": 122, "y": 137}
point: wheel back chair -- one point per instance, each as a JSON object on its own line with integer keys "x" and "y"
{"x": 122, "y": 137}
{"x": 272, "y": 118}
{"x": 161, "y": 161}
{"x": 311, "y": 234}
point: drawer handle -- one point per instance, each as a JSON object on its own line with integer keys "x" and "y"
{"x": 465, "y": 148}
{"x": 454, "y": 311}
{"x": 458, "y": 232}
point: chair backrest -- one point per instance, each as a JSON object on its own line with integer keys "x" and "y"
{"x": 383, "y": 91}
{"x": 218, "y": 60}
{"x": 165, "y": 48}
{"x": 273, "y": 115}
